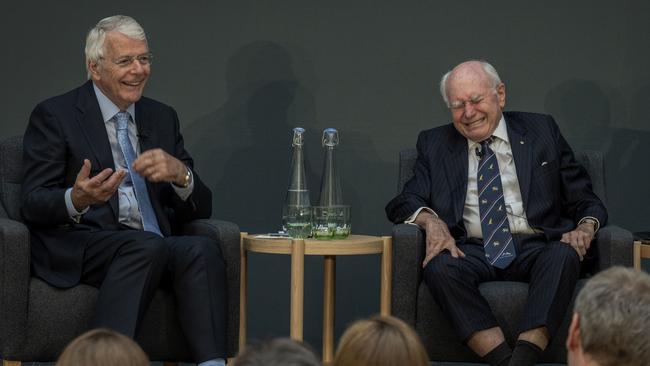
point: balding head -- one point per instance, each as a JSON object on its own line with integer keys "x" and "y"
{"x": 476, "y": 96}
{"x": 482, "y": 68}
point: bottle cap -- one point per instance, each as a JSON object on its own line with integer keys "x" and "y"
{"x": 298, "y": 136}
{"x": 330, "y": 137}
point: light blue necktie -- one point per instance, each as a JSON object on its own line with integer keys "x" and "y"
{"x": 497, "y": 239}
{"x": 149, "y": 221}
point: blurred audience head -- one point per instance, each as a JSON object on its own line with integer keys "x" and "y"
{"x": 103, "y": 347}
{"x": 611, "y": 320}
{"x": 380, "y": 341}
{"x": 277, "y": 352}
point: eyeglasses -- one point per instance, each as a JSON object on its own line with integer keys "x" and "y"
{"x": 126, "y": 61}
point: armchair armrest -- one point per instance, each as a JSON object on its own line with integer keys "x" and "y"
{"x": 227, "y": 235}
{"x": 14, "y": 280}
{"x": 614, "y": 247}
{"x": 408, "y": 254}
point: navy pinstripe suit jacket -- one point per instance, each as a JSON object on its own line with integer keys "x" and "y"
{"x": 556, "y": 195}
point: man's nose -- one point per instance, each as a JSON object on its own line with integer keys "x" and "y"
{"x": 137, "y": 67}
{"x": 468, "y": 110}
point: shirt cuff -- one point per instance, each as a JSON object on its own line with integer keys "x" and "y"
{"x": 184, "y": 192}
{"x": 411, "y": 219}
{"x": 72, "y": 211}
{"x": 591, "y": 218}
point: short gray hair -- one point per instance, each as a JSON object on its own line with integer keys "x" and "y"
{"x": 490, "y": 71}
{"x": 613, "y": 311}
{"x": 95, "y": 40}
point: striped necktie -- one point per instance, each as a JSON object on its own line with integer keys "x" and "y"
{"x": 149, "y": 221}
{"x": 497, "y": 239}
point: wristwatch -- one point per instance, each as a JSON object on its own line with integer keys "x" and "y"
{"x": 187, "y": 179}
{"x": 591, "y": 221}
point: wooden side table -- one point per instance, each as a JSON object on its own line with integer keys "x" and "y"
{"x": 298, "y": 248}
{"x": 641, "y": 250}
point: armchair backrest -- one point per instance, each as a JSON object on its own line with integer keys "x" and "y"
{"x": 591, "y": 160}
{"x": 11, "y": 176}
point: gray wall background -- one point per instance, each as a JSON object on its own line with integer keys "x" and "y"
{"x": 241, "y": 74}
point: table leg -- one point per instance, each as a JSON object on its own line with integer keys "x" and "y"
{"x": 329, "y": 290}
{"x": 386, "y": 258}
{"x": 243, "y": 286}
{"x": 297, "y": 288}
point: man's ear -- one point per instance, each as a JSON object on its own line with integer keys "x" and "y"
{"x": 93, "y": 66}
{"x": 501, "y": 94}
{"x": 573, "y": 339}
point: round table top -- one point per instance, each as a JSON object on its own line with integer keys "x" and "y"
{"x": 352, "y": 245}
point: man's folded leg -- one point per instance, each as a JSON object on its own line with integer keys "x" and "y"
{"x": 199, "y": 282}
{"x": 127, "y": 267}
{"x": 453, "y": 283}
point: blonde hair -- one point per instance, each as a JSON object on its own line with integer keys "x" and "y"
{"x": 380, "y": 341}
{"x": 103, "y": 347}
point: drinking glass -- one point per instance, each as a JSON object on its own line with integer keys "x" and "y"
{"x": 297, "y": 221}
{"x": 331, "y": 222}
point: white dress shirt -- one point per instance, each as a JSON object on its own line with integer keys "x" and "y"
{"x": 511, "y": 192}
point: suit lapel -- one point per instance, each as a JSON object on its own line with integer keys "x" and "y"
{"x": 522, "y": 153}
{"x": 456, "y": 172}
{"x": 92, "y": 124}
{"x": 146, "y": 133}
{"x": 148, "y": 138}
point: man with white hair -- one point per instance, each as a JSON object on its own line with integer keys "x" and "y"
{"x": 107, "y": 183}
{"x": 611, "y": 320}
{"x": 500, "y": 197}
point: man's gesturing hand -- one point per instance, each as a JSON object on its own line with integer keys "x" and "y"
{"x": 579, "y": 238}
{"x": 88, "y": 191}
{"x": 158, "y": 166}
{"x": 438, "y": 237}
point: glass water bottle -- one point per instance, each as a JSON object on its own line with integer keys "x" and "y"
{"x": 296, "y": 211}
{"x": 331, "y": 216}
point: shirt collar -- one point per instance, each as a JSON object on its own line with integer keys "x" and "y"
{"x": 501, "y": 132}
{"x": 108, "y": 108}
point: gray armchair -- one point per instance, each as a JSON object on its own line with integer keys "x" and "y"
{"x": 38, "y": 320}
{"x": 412, "y": 301}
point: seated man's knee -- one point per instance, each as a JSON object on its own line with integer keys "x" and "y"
{"x": 565, "y": 253}
{"x": 440, "y": 266}
{"x": 147, "y": 246}
{"x": 197, "y": 247}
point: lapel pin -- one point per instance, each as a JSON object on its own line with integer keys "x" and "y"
{"x": 544, "y": 163}
{"x": 521, "y": 142}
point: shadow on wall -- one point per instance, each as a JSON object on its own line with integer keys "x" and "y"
{"x": 243, "y": 147}
{"x": 243, "y": 151}
{"x": 589, "y": 115}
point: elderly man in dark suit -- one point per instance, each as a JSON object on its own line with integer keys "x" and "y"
{"x": 107, "y": 183}
{"x": 500, "y": 196}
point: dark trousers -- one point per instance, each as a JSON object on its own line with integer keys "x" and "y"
{"x": 129, "y": 265}
{"x": 550, "y": 268}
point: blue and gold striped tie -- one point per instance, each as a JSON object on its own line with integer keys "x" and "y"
{"x": 497, "y": 239}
